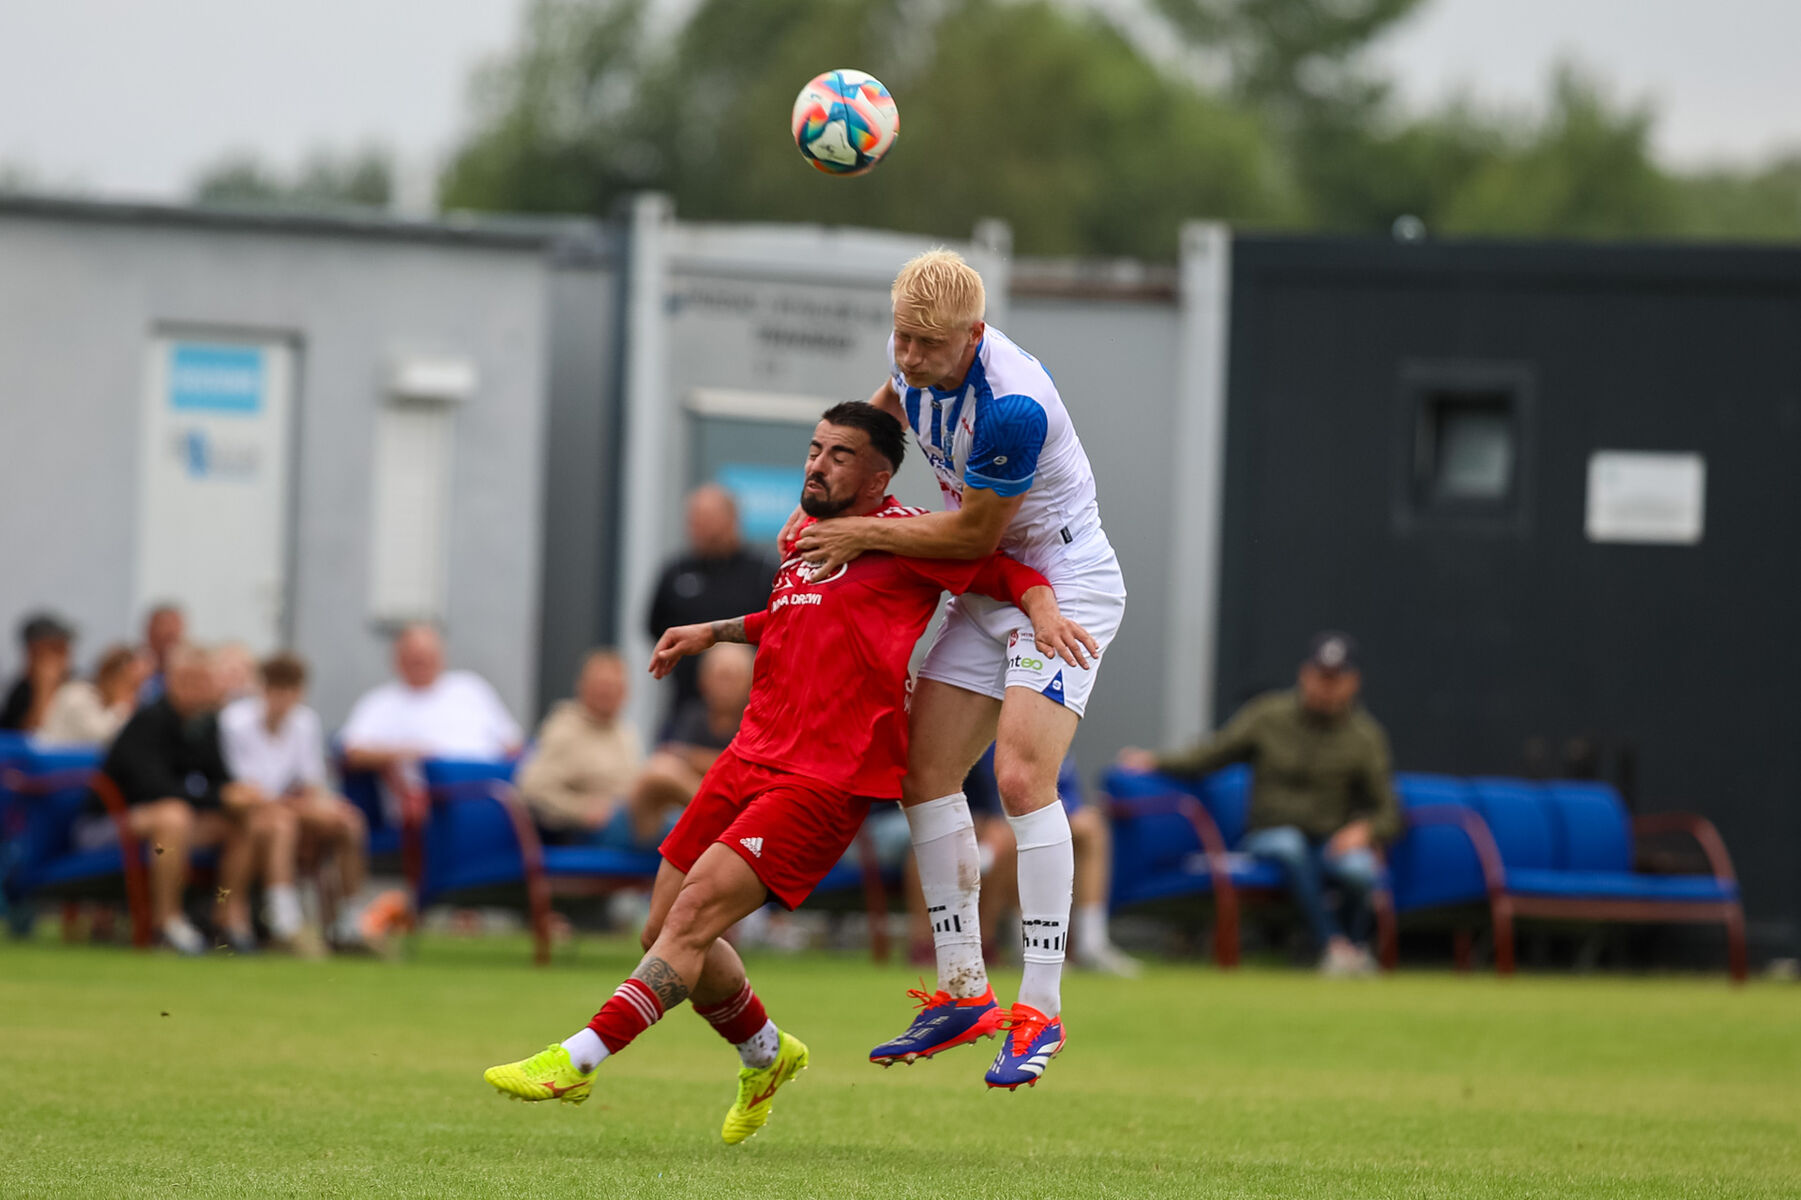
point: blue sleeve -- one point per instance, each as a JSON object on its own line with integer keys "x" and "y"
{"x": 1009, "y": 435}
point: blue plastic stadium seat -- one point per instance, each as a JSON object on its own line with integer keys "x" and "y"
{"x": 1618, "y": 885}
{"x": 1591, "y": 829}
{"x": 1227, "y": 795}
{"x": 1415, "y": 790}
{"x": 605, "y": 862}
{"x": 445, "y": 773}
{"x": 1520, "y": 821}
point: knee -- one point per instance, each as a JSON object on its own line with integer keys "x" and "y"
{"x": 652, "y": 930}
{"x": 1024, "y": 784}
{"x": 172, "y": 821}
{"x": 279, "y": 821}
{"x": 663, "y": 776}
{"x": 1356, "y": 871}
{"x": 1285, "y": 844}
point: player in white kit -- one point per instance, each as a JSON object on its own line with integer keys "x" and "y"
{"x": 989, "y": 420}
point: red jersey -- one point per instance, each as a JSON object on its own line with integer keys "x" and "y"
{"x": 829, "y": 696}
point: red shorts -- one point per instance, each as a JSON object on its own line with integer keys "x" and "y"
{"x": 791, "y": 829}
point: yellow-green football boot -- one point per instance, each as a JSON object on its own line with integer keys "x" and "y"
{"x": 546, "y": 1075}
{"x": 757, "y": 1087}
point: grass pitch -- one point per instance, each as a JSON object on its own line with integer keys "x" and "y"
{"x": 134, "y": 1075}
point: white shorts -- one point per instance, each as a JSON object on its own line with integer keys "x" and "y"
{"x": 986, "y": 646}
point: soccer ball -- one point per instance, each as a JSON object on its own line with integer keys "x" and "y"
{"x": 844, "y": 121}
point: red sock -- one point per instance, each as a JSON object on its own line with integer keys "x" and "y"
{"x": 633, "y": 1009}
{"x": 737, "y": 1018}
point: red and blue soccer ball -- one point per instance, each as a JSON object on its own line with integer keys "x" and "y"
{"x": 844, "y": 121}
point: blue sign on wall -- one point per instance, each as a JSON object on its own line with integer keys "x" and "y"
{"x": 765, "y": 496}
{"x": 219, "y": 379}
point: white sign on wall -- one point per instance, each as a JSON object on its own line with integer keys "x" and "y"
{"x": 1648, "y": 498}
{"x": 213, "y": 496}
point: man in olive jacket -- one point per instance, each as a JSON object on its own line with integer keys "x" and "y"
{"x": 1321, "y": 797}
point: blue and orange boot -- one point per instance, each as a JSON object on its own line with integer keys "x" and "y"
{"x": 942, "y": 1023}
{"x": 1032, "y": 1040}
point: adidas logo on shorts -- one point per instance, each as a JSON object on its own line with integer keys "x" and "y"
{"x": 754, "y": 845}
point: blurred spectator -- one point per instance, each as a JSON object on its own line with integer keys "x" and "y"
{"x": 170, "y": 768}
{"x": 236, "y": 667}
{"x": 89, "y": 714}
{"x": 700, "y": 730}
{"x": 1091, "y": 947}
{"x": 427, "y": 712}
{"x": 714, "y": 580}
{"x": 164, "y": 629}
{"x": 274, "y": 741}
{"x": 1322, "y": 802}
{"x": 46, "y": 640}
{"x": 579, "y": 775}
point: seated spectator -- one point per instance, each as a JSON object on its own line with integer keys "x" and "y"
{"x": 275, "y": 742}
{"x": 46, "y": 640}
{"x": 164, "y": 629}
{"x": 169, "y": 766}
{"x": 89, "y": 714}
{"x": 427, "y": 712}
{"x": 578, "y": 777}
{"x": 698, "y": 733}
{"x": 1322, "y": 803}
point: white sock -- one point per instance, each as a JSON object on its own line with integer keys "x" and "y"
{"x": 179, "y": 930}
{"x": 586, "y": 1050}
{"x": 759, "y": 1050}
{"x": 950, "y": 875}
{"x": 1091, "y": 928}
{"x": 281, "y": 908}
{"x": 1047, "y": 880}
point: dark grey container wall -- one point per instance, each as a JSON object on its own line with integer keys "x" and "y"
{"x": 1479, "y": 636}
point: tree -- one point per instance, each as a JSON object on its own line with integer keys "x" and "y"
{"x": 1585, "y": 171}
{"x": 1289, "y": 55}
{"x": 1048, "y": 118}
{"x": 363, "y": 178}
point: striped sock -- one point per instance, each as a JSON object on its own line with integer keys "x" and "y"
{"x": 740, "y": 1020}
{"x": 633, "y": 1009}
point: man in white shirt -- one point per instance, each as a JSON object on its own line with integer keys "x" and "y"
{"x": 274, "y": 742}
{"x": 427, "y": 712}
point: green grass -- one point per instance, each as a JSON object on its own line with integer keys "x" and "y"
{"x": 134, "y": 1075}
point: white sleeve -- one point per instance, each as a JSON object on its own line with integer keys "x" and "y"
{"x": 232, "y": 729}
{"x": 312, "y": 748}
{"x": 362, "y": 728}
{"x": 506, "y": 730}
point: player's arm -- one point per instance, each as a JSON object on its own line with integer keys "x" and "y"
{"x": 1003, "y": 461}
{"x": 1055, "y": 634}
{"x": 680, "y": 641}
{"x": 970, "y": 532}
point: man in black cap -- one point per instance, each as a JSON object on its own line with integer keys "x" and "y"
{"x": 46, "y": 639}
{"x": 1321, "y": 798}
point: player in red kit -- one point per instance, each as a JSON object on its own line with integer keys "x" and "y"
{"x": 824, "y": 735}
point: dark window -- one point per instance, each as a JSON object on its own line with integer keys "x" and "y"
{"x": 1465, "y": 457}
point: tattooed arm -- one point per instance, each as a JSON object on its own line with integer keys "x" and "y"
{"x": 683, "y": 640}
{"x": 729, "y": 631}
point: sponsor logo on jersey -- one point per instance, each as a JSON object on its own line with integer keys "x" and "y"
{"x": 754, "y": 845}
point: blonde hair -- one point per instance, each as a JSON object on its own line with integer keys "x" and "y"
{"x": 939, "y": 291}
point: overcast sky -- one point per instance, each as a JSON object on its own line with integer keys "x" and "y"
{"x": 128, "y": 97}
